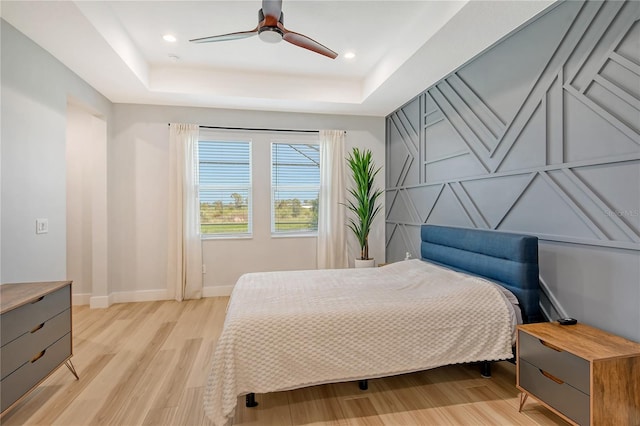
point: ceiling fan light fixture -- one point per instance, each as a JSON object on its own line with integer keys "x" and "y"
{"x": 270, "y": 34}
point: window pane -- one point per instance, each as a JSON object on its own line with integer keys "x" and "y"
{"x": 295, "y": 211}
{"x": 224, "y": 212}
{"x": 296, "y": 164}
{"x": 224, "y": 163}
{"x": 295, "y": 180}
{"x": 225, "y": 187}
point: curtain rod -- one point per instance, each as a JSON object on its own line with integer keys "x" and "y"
{"x": 256, "y": 129}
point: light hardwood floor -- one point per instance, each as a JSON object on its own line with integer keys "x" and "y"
{"x": 147, "y": 363}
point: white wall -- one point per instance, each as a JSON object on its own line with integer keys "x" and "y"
{"x": 86, "y": 158}
{"x": 138, "y": 158}
{"x": 35, "y": 89}
{"x": 78, "y": 200}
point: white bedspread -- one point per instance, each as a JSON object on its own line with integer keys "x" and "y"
{"x": 286, "y": 330}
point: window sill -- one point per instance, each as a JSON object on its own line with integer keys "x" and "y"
{"x": 225, "y": 237}
{"x": 294, "y": 235}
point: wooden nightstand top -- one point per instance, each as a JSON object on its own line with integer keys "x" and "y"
{"x": 18, "y": 294}
{"x": 582, "y": 340}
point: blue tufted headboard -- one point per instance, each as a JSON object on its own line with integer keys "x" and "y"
{"x": 510, "y": 260}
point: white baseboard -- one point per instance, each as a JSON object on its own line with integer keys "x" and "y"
{"x": 121, "y": 297}
{"x": 81, "y": 299}
{"x": 216, "y": 291}
{"x": 99, "y": 302}
{"x": 141, "y": 296}
{"x": 138, "y": 296}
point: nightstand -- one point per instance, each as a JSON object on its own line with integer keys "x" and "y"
{"x": 585, "y": 375}
{"x": 35, "y": 336}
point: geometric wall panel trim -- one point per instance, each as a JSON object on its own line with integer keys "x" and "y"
{"x": 532, "y": 213}
{"x": 423, "y": 199}
{"x": 402, "y": 138}
{"x": 492, "y": 207}
{"x": 553, "y": 149}
{"x": 603, "y": 182}
{"x": 450, "y": 210}
{"x": 398, "y": 209}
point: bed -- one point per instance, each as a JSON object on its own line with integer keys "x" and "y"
{"x": 458, "y": 304}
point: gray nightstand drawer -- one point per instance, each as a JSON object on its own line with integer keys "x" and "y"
{"x": 563, "y": 365}
{"x": 23, "y": 379}
{"x": 564, "y": 398}
{"x": 25, "y": 318}
{"x": 21, "y": 350}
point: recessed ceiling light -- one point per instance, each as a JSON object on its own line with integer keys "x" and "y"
{"x": 170, "y": 38}
{"x": 349, "y": 55}
{"x": 173, "y": 57}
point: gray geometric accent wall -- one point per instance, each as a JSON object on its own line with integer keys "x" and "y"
{"x": 539, "y": 134}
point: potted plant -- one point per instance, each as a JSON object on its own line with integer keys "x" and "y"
{"x": 364, "y": 201}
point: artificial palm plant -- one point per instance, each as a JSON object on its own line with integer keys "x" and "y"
{"x": 364, "y": 203}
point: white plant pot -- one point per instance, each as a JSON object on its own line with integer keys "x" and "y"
{"x": 368, "y": 263}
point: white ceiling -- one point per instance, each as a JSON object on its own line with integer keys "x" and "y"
{"x": 401, "y": 47}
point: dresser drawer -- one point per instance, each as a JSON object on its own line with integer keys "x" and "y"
{"x": 20, "y": 351}
{"x": 564, "y": 398}
{"x": 24, "y": 378}
{"x": 25, "y": 318}
{"x": 563, "y": 365}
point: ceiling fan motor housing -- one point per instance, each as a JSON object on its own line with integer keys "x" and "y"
{"x": 270, "y": 34}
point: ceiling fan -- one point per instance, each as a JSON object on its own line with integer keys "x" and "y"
{"x": 271, "y": 29}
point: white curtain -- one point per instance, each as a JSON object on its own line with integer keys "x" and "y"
{"x": 184, "y": 270}
{"x": 332, "y": 240}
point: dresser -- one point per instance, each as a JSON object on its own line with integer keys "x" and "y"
{"x": 35, "y": 336}
{"x": 583, "y": 374}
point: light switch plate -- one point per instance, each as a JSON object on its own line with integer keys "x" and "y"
{"x": 42, "y": 226}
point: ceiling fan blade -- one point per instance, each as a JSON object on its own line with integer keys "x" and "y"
{"x": 307, "y": 43}
{"x": 225, "y": 37}
{"x": 272, "y": 8}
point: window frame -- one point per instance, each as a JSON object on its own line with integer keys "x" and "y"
{"x": 228, "y": 138}
{"x": 298, "y": 140}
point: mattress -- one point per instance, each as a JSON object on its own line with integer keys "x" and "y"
{"x": 286, "y": 330}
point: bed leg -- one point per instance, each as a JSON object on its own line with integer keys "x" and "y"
{"x": 485, "y": 369}
{"x": 363, "y": 384}
{"x": 251, "y": 400}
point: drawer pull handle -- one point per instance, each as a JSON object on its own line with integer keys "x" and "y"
{"x": 551, "y": 377}
{"x": 37, "y": 327}
{"x": 37, "y": 300}
{"x": 550, "y": 346}
{"x": 37, "y": 357}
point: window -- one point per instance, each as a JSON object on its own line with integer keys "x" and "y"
{"x": 225, "y": 187}
{"x": 295, "y": 183}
